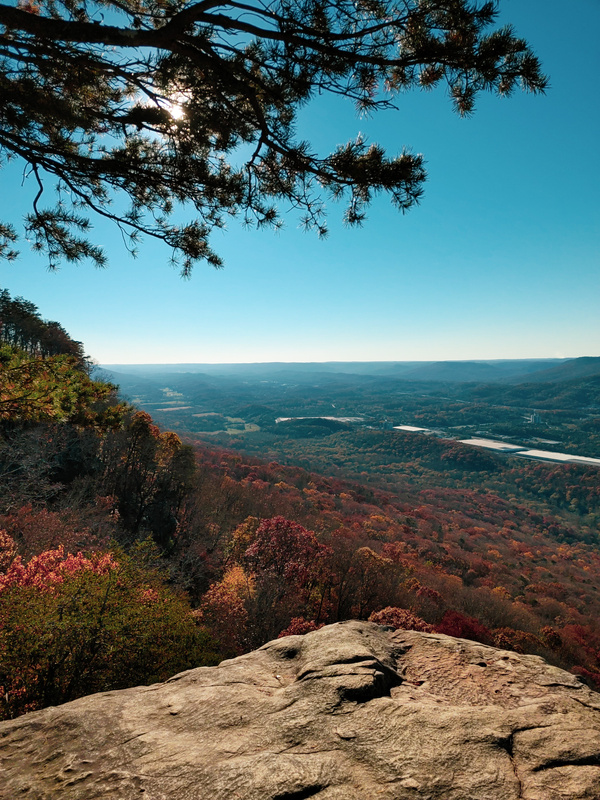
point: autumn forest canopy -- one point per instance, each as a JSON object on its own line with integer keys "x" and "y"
{"x": 129, "y": 552}
{"x": 149, "y": 113}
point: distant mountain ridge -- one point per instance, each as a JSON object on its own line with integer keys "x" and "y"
{"x": 482, "y": 371}
{"x": 574, "y": 368}
{"x": 527, "y": 383}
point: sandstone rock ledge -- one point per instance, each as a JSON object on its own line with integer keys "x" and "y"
{"x": 351, "y": 712}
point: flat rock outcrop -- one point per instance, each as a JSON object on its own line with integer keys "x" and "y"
{"x": 353, "y": 711}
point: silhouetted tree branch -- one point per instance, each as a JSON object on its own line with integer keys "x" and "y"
{"x": 194, "y": 104}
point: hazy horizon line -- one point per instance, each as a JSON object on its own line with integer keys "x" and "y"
{"x": 340, "y": 361}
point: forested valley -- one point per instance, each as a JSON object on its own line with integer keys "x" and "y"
{"x": 129, "y": 552}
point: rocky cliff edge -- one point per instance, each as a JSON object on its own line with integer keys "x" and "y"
{"x": 353, "y": 711}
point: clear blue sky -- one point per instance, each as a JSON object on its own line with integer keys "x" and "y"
{"x": 500, "y": 260}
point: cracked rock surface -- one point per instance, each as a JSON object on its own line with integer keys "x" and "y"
{"x": 353, "y": 711}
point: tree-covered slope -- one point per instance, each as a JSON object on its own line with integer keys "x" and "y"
{"x": 118, "y": 538}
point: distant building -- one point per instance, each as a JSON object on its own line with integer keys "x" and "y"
{"x": 533, "y": 419}
{"x": 492, "y": 444}
{"x": 563, "y": 458}
{"x": 411, "y": 429}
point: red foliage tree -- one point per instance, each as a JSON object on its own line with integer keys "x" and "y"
{"x": 456, "y": 624}
{"x": 299, "y": 626}
{"x": 286, "y": 550}
{"x": 290, "y": 571}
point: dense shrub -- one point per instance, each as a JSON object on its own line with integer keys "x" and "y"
{"x": 400, "y": 618}
{"x": 591, "y": 678}
{"x": 71, "y": 625}
{"x": 299, "y": 626}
